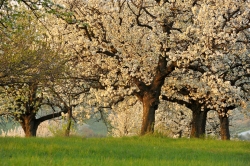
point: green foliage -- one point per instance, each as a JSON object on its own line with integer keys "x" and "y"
{"x": 145, "y": 150}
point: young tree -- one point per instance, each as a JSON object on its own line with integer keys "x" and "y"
{"x": 68, "y": 94}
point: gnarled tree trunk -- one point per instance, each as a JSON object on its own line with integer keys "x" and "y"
{"x": 149, "y": 94}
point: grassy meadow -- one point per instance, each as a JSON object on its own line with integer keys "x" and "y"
{"x": 148, "y": 150}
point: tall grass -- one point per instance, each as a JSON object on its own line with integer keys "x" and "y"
{"x": 122, "y": 151}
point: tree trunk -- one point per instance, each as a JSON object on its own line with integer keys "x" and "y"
{"x": 224, "y": 127}
{"x": 198, "y": 124}
{"x": 149, "y": 94}
{"x": 148, "y": 117}
{"x": 68, "y": 127}
{"x": 29, "y": 125}
{"x": 67, "y": 131}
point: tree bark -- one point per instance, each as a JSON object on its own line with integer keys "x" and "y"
{"x": 224, "y": 127}
{"x": 29, "y": 125}
{"x": 148, "y": 117}
{"x": 198, "y": 125}
{"x": 149, "y": 94}
{"x": 149, "y": 97}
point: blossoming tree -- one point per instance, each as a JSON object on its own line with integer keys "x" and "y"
{"x": 191, "y": 52}
{"x": 137, "y": 45}
{"x": 221, "y": 35}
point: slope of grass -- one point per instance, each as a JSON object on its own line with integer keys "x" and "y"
{"x": 122, "y": 151}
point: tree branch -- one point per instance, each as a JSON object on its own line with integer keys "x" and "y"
{"x": 51, "y": 116}
{"x": 140, "y": 84}
{"x": 181, "y": 102}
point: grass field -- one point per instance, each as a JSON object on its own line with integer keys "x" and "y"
{"x": 125, "y": 151}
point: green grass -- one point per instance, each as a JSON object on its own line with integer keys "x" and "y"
{"x": 125, "y": 151}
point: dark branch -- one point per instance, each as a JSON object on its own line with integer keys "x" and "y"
{"x": 140, "y": 84}
{"x": 181, "y": 102}
{"x": 51, "y": 116}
